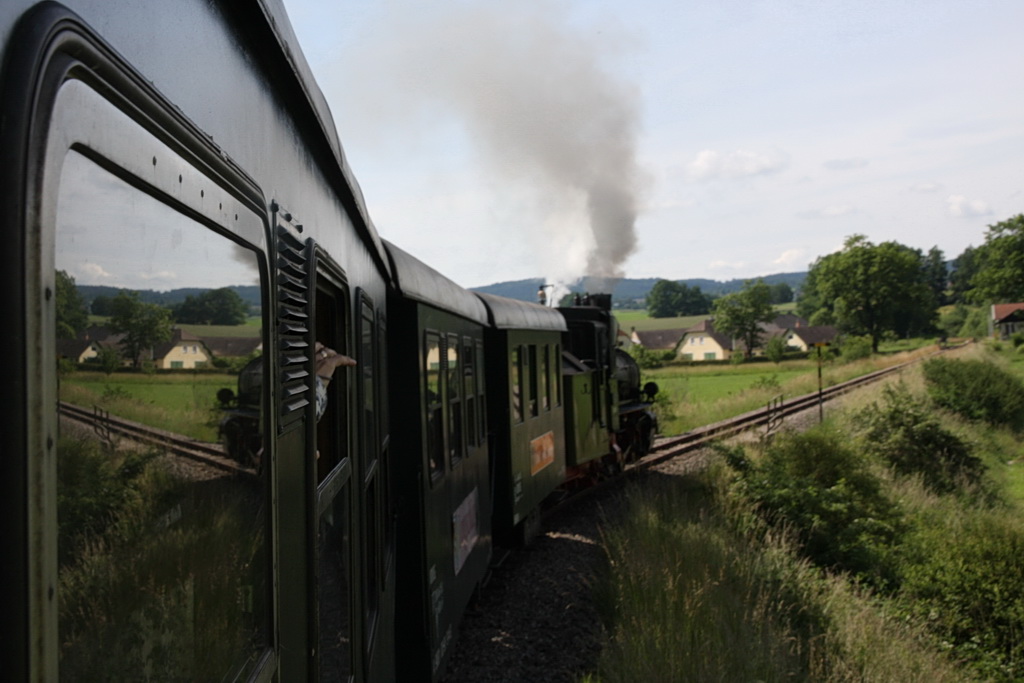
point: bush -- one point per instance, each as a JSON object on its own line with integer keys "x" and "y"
{"x": 855, "y": 348}
{"x": 970, "y": 591}
{"x": 815, "y": 484}
{"x": 903, "y": 434}
{"x": 976, "y": 389}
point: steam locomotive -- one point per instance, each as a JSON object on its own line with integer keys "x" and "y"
{"x": 152, "y": 145}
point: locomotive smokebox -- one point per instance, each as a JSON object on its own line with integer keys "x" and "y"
{"x": 602, "y": 301}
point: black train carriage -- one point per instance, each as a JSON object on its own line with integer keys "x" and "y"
{"x": 608, "y": 420}
{"x": 436, "y": 350}
{"x": 523, "y": 347}
{"x": 152, "y": 145}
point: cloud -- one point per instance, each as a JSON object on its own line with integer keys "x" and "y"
{"x": 828, "y": 212}
{"x": 845, "y": 164}
{"x": 790, "y": 258}
{"x": 711, "y": 164}
{"x": 94, "y": 271}
{"x": 926, "y": 188}
{"x": 962, "y": 207}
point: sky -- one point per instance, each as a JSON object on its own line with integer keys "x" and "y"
{"x": 675, "y": 139}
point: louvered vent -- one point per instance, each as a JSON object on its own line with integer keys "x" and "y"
{"x": 293, "y": 326}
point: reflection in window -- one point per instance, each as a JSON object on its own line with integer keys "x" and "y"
{"x": 334, "y": 624}
{"x": 472, "y": 432}
{"x": 163, "y": 565}
{"x": 533, "y": 380}
{"x": 454, "y": 401}
{"x": 516, "y": 375}
{"x": 435, "y": 436}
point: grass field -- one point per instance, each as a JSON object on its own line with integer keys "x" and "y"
{"x": 643, "y": 322}
{"x": 182, "y": 403}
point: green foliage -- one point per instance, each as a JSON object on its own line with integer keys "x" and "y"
{"x": 109, "y": 359}
{"x": 816, "y": 485}
{"x": 871, "y": 289}
{"x": 903, "y": 432}
{"x": 976, "y": 389}
{"x": 669, "y": 299}
{"x": 143, "y": 325}
{"x": 741, "y": 314}
{"x": 975, "y": 325}
{"x": 645, "y": 358}
{"x": 72, "y": 315}
{"x": 969, "y": 588}
{"x": 213, "y": 307}
{"x": 1000, "y": 263}
{"x": 782, "y": 293}
{"x": 775, "y": 349}
{"x": 855, "y": 348}
{"x": 965, "y": 266}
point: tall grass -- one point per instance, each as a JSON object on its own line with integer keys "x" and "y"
{"x": 727, "y": 580}
{"x": 691, "y": 598}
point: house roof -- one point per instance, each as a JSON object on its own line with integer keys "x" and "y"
{"x": 177, "y": 337}
{"x": 72, "y": 348}
{"x": 232, "y": 346}
{"x": 707, "y": 328}
{"x": 1001, "y": 312}
{"x": 818, "y": 334}
{"x": 657, "y": 340}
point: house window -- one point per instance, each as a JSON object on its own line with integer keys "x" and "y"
{"x": 177, "y": 364}
{"x": 709, "y": 356}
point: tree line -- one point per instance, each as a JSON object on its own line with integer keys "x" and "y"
{"x": 672, "y": 299}
{"x": 871, "y": 290}
{"x": 143, "y": 325}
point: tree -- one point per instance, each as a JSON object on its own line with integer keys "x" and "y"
{"x": 936, "y": 275}
{"x": 669, "y": 299}
{"x": 965, "y": 266}
{"x": 872, "y": 289}
{"x": 1000, "y": 264}
{"x": 213, "y": 307}
{"x": 143, "y": 325}
{"x": 741, "y": 314}
{"x": 782, "y": 293}
{"x": 72, "y": 315}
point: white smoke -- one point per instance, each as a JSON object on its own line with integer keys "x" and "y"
{"x": 542, "y": 112}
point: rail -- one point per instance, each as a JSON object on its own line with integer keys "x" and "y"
{"x": 105, "y": 424}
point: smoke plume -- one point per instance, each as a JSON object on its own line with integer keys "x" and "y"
{"x": 543, "y": 115}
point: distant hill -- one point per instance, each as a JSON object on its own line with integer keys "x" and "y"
{"x": 629, "y": 291}
{"x": 250, "y": 294}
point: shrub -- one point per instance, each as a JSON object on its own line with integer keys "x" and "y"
{"x": 817, "y": 485}
{"x": 855, "y": 348}
{"x": 1017, "y": 339}
{"x": 904, "y": 435}
{"x": 970, "y": 591}
{"x": 976, "y": 389}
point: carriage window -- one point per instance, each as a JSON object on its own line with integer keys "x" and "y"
{"x": 556, "y": 377}
{"x": 472, "y": 434}
{"x": 432, "y": 402}
{"x": 163, "y": 570}
{"x": 516, "y": 376}
{"x": 545, "y": 372}
{"x": 481, "y": 399}
{"x": 370, "y": 471}
{"x": 533, "y": 380}
{"x": 454, "y": 401}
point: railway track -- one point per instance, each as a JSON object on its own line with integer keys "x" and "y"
{"x": 768, "y": 417}
{"x": 107, "y": 425}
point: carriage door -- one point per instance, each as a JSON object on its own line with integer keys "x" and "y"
{"x": 332, "y": 467}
